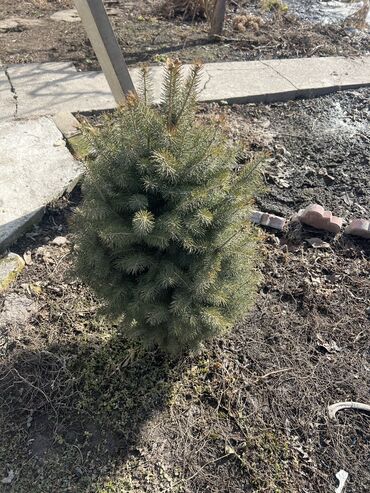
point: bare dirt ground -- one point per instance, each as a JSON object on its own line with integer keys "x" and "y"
{"x": 319, "y": 151}
{"x": 146, "y": 35}
{"x": 82, "y": 410}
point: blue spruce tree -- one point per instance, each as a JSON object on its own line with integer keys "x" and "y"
{"x": 163, "y": 234}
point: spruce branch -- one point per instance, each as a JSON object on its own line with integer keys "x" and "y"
{"x": 190, "y": 89}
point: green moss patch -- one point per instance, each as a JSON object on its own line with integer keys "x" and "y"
{"x": 10, "y": 266}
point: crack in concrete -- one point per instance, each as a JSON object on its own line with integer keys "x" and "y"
{"x": 277, "y": 72}
{"x": 12, "y": 89}
{"x": 207, "y": 81}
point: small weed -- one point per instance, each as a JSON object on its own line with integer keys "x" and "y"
{"x": 268, "y": 459}
{"x": 274, "y": 6}
{"x": 189, "y": 9}
{"x": 122, "y": 382}
{"x": 160, "y": 58}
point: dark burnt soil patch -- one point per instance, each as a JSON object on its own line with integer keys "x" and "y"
{"x": 319, "y": 151}
{"x": 83, "y": 410}
{"x": 146, "y": 35}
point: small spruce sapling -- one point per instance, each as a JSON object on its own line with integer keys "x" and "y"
{"x": 163, "y": 233}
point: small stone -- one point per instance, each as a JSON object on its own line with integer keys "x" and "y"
{"x": 112, "y": 11}
{"x": 60, "y": 241}
{"x": 10, "y": 266}
{"x": 68, "y": 15}
{"x": 17, "y": 310}
{"x": 9, "y": 478}
{"x": 27, "y": 257}
{"x": 315, "y": 215}
{"x": 359, "y": 227}
{"x": 318, "y": 243}
{"x": 59, "y": 142}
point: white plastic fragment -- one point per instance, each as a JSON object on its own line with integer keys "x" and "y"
{"x": 334, "y": 408}
{"x": 342, "y": 476}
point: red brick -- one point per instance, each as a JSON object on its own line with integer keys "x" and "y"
{"x": 359, "y": 227}
{"x": 316, "y": 216}
{"x": 269, "y": 220}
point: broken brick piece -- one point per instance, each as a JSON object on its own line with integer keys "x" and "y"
{"x": 269, "y": 220}
{"x": 256, "y": 217}
{"x": 316, "y": 216}
{"x": 359, "y": 227}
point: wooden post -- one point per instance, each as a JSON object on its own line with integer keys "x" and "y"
{"x": 218, "y": 18}
{"x": 99, "y": 30}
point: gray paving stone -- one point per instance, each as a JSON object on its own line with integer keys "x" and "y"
{"x": 235, "y": 82}
{"x": 68, "y": 15}
{"x": 44, "y": 89}
{"x": 48, "y": 88}
{"x": 7, "y": 101}
{"x": 239, "y": 82}
{"x": 35, "y": 169}
{"x": 273, "y": 80}
{"x": 318, "y": 75}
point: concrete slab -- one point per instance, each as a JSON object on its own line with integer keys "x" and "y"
{"x": 239, "y": 82}
{"x": 67, "y": 124}
{"x": 7, "y": 101}
{"x": 320, "y": 75}
{"x": 235, "y": 82}
{"x": 35, "y": 169}
{"x": 273, "y": 80}
{"x": 45, "y": 89}
{"x": 48, "y": 88}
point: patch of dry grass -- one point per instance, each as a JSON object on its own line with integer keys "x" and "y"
{"x": 188, "y": 9}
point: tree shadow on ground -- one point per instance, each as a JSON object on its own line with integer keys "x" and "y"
{"x": 69, "y": 414}
{"x": 171, "y": 49}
